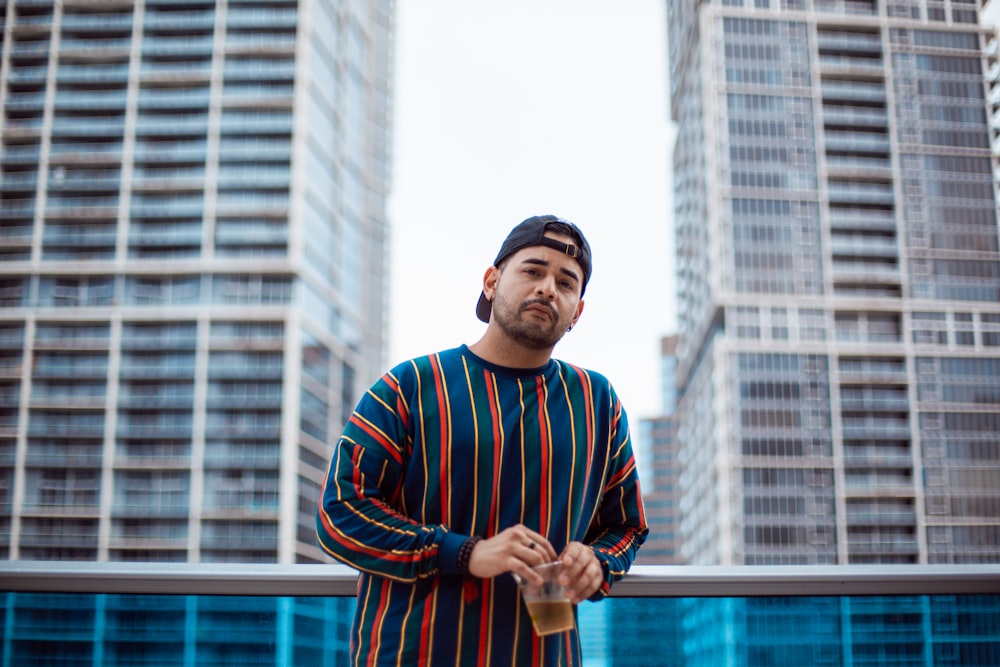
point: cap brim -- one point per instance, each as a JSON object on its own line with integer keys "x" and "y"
{"x": 484, "y": 308}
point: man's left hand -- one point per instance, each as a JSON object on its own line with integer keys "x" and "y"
{"x": 582, "y": 573}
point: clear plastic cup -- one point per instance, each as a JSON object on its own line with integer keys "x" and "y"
{"x": 549, "y": 608}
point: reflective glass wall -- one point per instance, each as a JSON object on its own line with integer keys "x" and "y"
{"x": 144, "y": 630}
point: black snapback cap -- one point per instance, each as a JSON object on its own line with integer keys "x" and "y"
{"x": 531, "y": 232}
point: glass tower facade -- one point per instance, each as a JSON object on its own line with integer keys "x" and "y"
{"x": 192, "y": 272}
{"x": 661, "y": 473}
{"x": 839, "y": 282}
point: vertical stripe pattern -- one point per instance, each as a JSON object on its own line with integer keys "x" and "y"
{"x": 448, "y": 446}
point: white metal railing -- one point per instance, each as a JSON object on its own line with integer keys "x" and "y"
{"x": 642, "y": 581}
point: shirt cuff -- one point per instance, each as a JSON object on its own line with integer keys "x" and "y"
{"x": 448, "y": 552}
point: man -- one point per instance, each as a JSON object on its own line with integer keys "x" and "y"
{"x": 460, "y": 471}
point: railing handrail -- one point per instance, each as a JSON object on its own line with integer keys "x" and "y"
{"x": 642, "y": 581}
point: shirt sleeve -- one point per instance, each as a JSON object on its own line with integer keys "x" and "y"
{"x": 619, "y": 527}
{"x": 358, "y": 520}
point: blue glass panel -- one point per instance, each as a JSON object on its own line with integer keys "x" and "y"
{"x": 107, "y": 629}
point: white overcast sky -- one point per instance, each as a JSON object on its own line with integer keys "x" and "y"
{"x": 505, "y": 110}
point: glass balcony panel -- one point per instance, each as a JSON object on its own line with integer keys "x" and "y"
{"x": 85, "y": 152}
{"x": 128, "y": 529}
{"x": 254, "y": 69}
{"x": 861, "y": 192}
{"x": 875, "y": 456}
{"x": 238, "y": 39}
{"x": 15, "y": 181}
{"x": 92, "y": 238}
{"x": 873, "y": 165}
{"x": 20, "y": 154}
{"x": 159, "y": 335}
{"x": 865, "y": 270}
{"x": 155, "y": 69}
{"x": 68, "y": 453}
{"x": 159, "y": 422}
{"x": 66, "y": 423}
{"x": 159, "y": 152}
{"x": 153, "y": 452}
{"x": 262, "y": 335}
{"x": 151, "y": 176}
{"x": 33, "y": 20}
{"x": 185, "y": 19}
{"x": 173, "y": 97}
{"x": 241, "y": 453}
{"x": 64, "y": 490}
{"x": 172, "y": 125}
{"x": 249, "y": 122}
{"x": 863, "y": 246}
{"x": 97, "y": 21}
{"x": 33, "y": 75}
{"x": 49, "y": 532}
{"x": 853, "y": 91}
{"x": 80, "y": 178}
{"x": 165, "y": 234}
{"x": 851, "y": 62}
{"x": 261, "y": 17}
{"x": 70, "y": 365}
{"x": 90, "y": 99}
{"x": 92, "y": 73}
{"x": 244, "y": 231}
{"x": 21, "y": 48}
{"x": 182, "y": 45}
{"x": 304, "y": 613}
{"x": 57, "y": 203}
{"x": 846, "y": 7}
{"x": 828, "y": 40}
{"x": 25, "y": 100}
{"x": 21, "y": 208}
{"x": 154, "y": 291}
{"x": 111, "y": 126}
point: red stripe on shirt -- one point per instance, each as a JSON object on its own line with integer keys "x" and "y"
{"x": 484, "y": 624}
{"x": 377, "y": 437}
{"x": 545, "y": 474}
{"x": 377, "y": 626}
{"x": 425, "y": 628}
{"x": 491, "y": 394}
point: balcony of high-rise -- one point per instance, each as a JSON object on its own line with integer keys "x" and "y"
{"x": 155, "y": 613}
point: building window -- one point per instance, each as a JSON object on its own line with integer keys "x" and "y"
{"x": 72, "y": 292}
{"x": 253, "y": 289}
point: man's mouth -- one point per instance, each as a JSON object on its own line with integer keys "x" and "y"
{"x": 540, "y": 308}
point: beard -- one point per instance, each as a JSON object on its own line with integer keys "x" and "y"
{"x": 531, "y": 334}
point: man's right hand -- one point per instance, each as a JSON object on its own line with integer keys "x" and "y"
{"x": 516, "y": 549}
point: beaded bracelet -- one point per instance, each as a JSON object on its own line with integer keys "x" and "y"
{"x": 465, "y": 553}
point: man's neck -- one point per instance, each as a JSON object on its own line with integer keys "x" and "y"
{"x": 498, "y": 349}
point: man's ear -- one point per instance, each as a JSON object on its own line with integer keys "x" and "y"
{"x": 490, "y": 280}
{"x": 576, "y": 318}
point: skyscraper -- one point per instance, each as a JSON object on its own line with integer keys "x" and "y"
{"x": 192, "y": 274}
{"x": 838, "y": 278}
{"x": 661, "y": 472}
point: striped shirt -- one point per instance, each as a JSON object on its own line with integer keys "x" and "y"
{"x": 449, "y": 446}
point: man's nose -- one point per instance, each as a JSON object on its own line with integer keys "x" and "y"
{"x": 547, "y": 287}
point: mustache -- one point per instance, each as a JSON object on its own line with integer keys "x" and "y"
{"x": 540, "y": 302}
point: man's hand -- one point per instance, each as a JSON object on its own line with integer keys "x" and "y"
{"x": 516, "y": 549}
{"x": 582, "y": 572}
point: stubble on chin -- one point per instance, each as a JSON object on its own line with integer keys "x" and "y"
{"x": 530, "y": 334}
